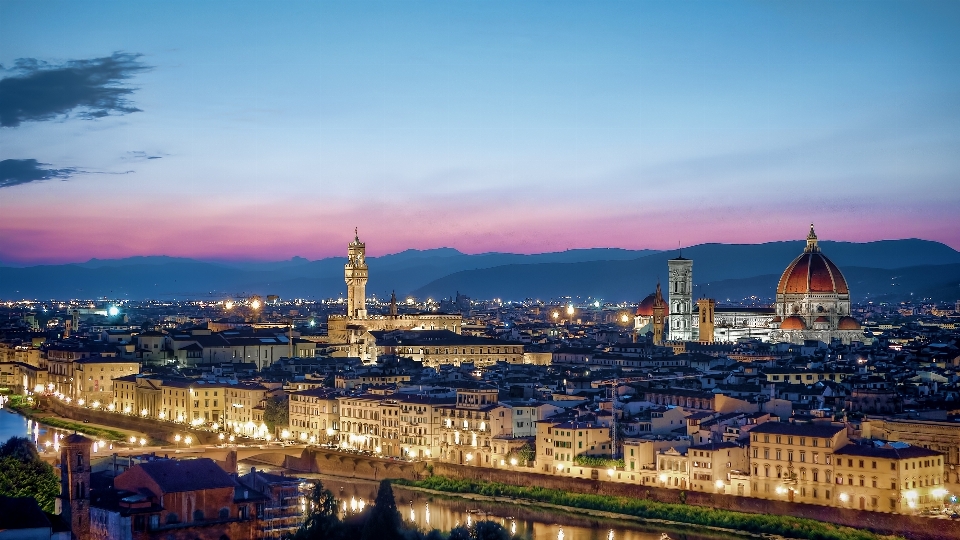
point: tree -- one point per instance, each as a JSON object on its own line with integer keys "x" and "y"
{"x": 24, "y": 474}
{"x": 526, "y": 454}
{"x": 481, "y": 530}
{"x": 321, "y": 520}
{"x": 276, "y": 413}
{"x": 384, "y": 521}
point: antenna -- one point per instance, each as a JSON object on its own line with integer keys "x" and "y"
{"x": 680, "y": 249}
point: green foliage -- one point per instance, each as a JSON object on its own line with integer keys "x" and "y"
{"x": 23, "y": 474}
{"x": 276, "y": 413}
{"x": 481, "y": 530}
{"x": 525, "y": 454}
{"x": 599, "y": 462}
{"x": 787, "y": 526}
{"x": 20, "y": 448}
{"x": 384, "y": 521}
{"x": 100, "y": 433}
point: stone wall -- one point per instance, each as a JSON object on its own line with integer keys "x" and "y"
{"x": 912, "y": 527}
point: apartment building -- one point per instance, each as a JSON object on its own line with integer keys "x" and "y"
{"x": 795, "y": 462}
{"x": 93, "y": 377}
{"x": 315, "y": 415}
{"x": 360, "y": 422}
{"x": 560, "y": 442}
{"x": 715, "y": 467}
{"x": 465, "y": 429}
{"x": 888, "y": 477}
{"x": 240, "y": 401}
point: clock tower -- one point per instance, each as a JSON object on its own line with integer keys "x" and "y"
{"x": 680, "y": 298}
{"x": 355, "y": 274}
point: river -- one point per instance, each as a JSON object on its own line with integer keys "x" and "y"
{"x": 434, "y": 512}
{"x": 14, "y": 425}
{"x": 444, "y": 513}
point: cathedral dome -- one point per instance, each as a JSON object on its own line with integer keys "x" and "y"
{"x": 793, "y": 323}
{"x": 812, "y": 272}
{"x": 848, "y": 323}
{"x": 645, "y": 309}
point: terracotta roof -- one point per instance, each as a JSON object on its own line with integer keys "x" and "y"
{"x": 793, "y": 323}
{"x": 178, "y": 475}
{"x": 848, "y": 323}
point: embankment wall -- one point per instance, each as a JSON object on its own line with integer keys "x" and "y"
{"x": 912, "y": 527}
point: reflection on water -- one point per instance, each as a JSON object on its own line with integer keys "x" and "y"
{"x": 431, "y": 512}
{"x": 46, "y": 438}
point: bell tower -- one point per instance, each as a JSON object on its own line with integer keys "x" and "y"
{"x": 680, "y": 296}
{"x": 74, "y": 499}
{"x": 355, "y": 274}
{"x": 659, "y": 315}
{"x": 707, "y": 307}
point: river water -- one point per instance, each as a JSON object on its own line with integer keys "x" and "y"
{"x": 434, "y": 512}
{"x": 14, "y": 425}
{"x": 441, "y": 512}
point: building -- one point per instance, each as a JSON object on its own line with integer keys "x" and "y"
{"x": 314, "y": 415}
{"x": 560, "y": 442}
{"x": 169, "y": 498}
{"x": 706, "y": 308}
{"x": 943, "y": 437}
{"x": 889, "y": 477}
{"x": 282, "y": 512}
{"x": 795, "y": 462}
{"x": 442, "y": 347}
{"x": 93, "y": 377}
{"x": 350, "y": 331}
{"x": 22, "y": 519}
{"x": 73, "y": 504}
{"x": 813, "y": 301}
{"x": 680, "y": 295}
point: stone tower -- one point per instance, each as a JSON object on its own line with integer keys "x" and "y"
{"x": 680, "y": 296}
{"x": 707, "y": 306}
{"x": 659, "y": 316}
{"x": 355, "y": 274}
{"x": 74, "y": 499}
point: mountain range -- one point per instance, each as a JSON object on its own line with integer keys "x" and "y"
{"x": 889, "y": 270}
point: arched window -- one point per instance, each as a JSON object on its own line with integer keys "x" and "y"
{"x": 173, "y": 518}
{"x": 198, "y": 515}
{"x": 224, "y": 513}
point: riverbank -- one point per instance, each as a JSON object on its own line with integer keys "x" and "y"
{"x": 725, "y": 521}
{"x": 52, "y": 420}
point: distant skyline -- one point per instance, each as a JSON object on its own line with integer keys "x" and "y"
{"x": 262, "y": 131}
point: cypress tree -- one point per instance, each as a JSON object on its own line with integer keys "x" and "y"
{"x": 384, "y": 521}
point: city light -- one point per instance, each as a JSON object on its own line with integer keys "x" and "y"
{"x": 113, "y": 311}
{"x": 513, "y": 461}
{"x": 844, "y": 497}
{"x": 228, "y": 304}
{"x": 610, "y": 473}
{"x": 255, "y": 304}
{"x": 719, "y": 484}
{"x": 187, "y": 440}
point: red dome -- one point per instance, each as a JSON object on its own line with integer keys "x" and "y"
{"x": 812, "y": 272}
{"x": 645, "y": 309}
{"x": 848, "y": 323}
{"x": 793, "y": 323}
{"x": 821, "y": 319}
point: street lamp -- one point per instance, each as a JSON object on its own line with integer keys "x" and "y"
{"x": 187, "y": 440}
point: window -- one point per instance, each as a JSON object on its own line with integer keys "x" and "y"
{"x": 224, "y": 513}
{"x": 173, "y": 518}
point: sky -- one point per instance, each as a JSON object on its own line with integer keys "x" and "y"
{"x": 266, "y": 130}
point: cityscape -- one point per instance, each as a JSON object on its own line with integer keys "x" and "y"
{"x": 479, "y": 271}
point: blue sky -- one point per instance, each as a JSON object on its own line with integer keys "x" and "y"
{"x": 274, "y": 128}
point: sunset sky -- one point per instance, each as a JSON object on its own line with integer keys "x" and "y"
{"x": 265, "y": 130}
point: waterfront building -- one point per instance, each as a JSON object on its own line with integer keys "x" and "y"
{"x": 314, "y": 415}
{"x": 443, "y": 347}
{"x": 191, "y": 498}
{"x": 795, "y": 462}
{"x": 561, "y": 441}
{"x": 888, "y": 477}
{"x": 283, "y": 512}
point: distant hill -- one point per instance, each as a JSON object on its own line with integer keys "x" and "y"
{"x": 720, "y": 271}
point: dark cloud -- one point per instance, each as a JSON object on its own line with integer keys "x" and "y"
{"x": 21, "y": 171}
{"x": 93, "y": 88}
{"x": 139, "y": 155}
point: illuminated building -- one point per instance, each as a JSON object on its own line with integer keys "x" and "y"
{"x": 680, "y": 298}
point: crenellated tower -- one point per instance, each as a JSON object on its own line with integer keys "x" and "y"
{"x": 659, "y": 316}
{"x": 355, "y": 274}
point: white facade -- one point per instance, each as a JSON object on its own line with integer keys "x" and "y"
{"x": 680, "y": 299}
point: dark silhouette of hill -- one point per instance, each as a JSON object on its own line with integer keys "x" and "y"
{"x": 720, "y": 271}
